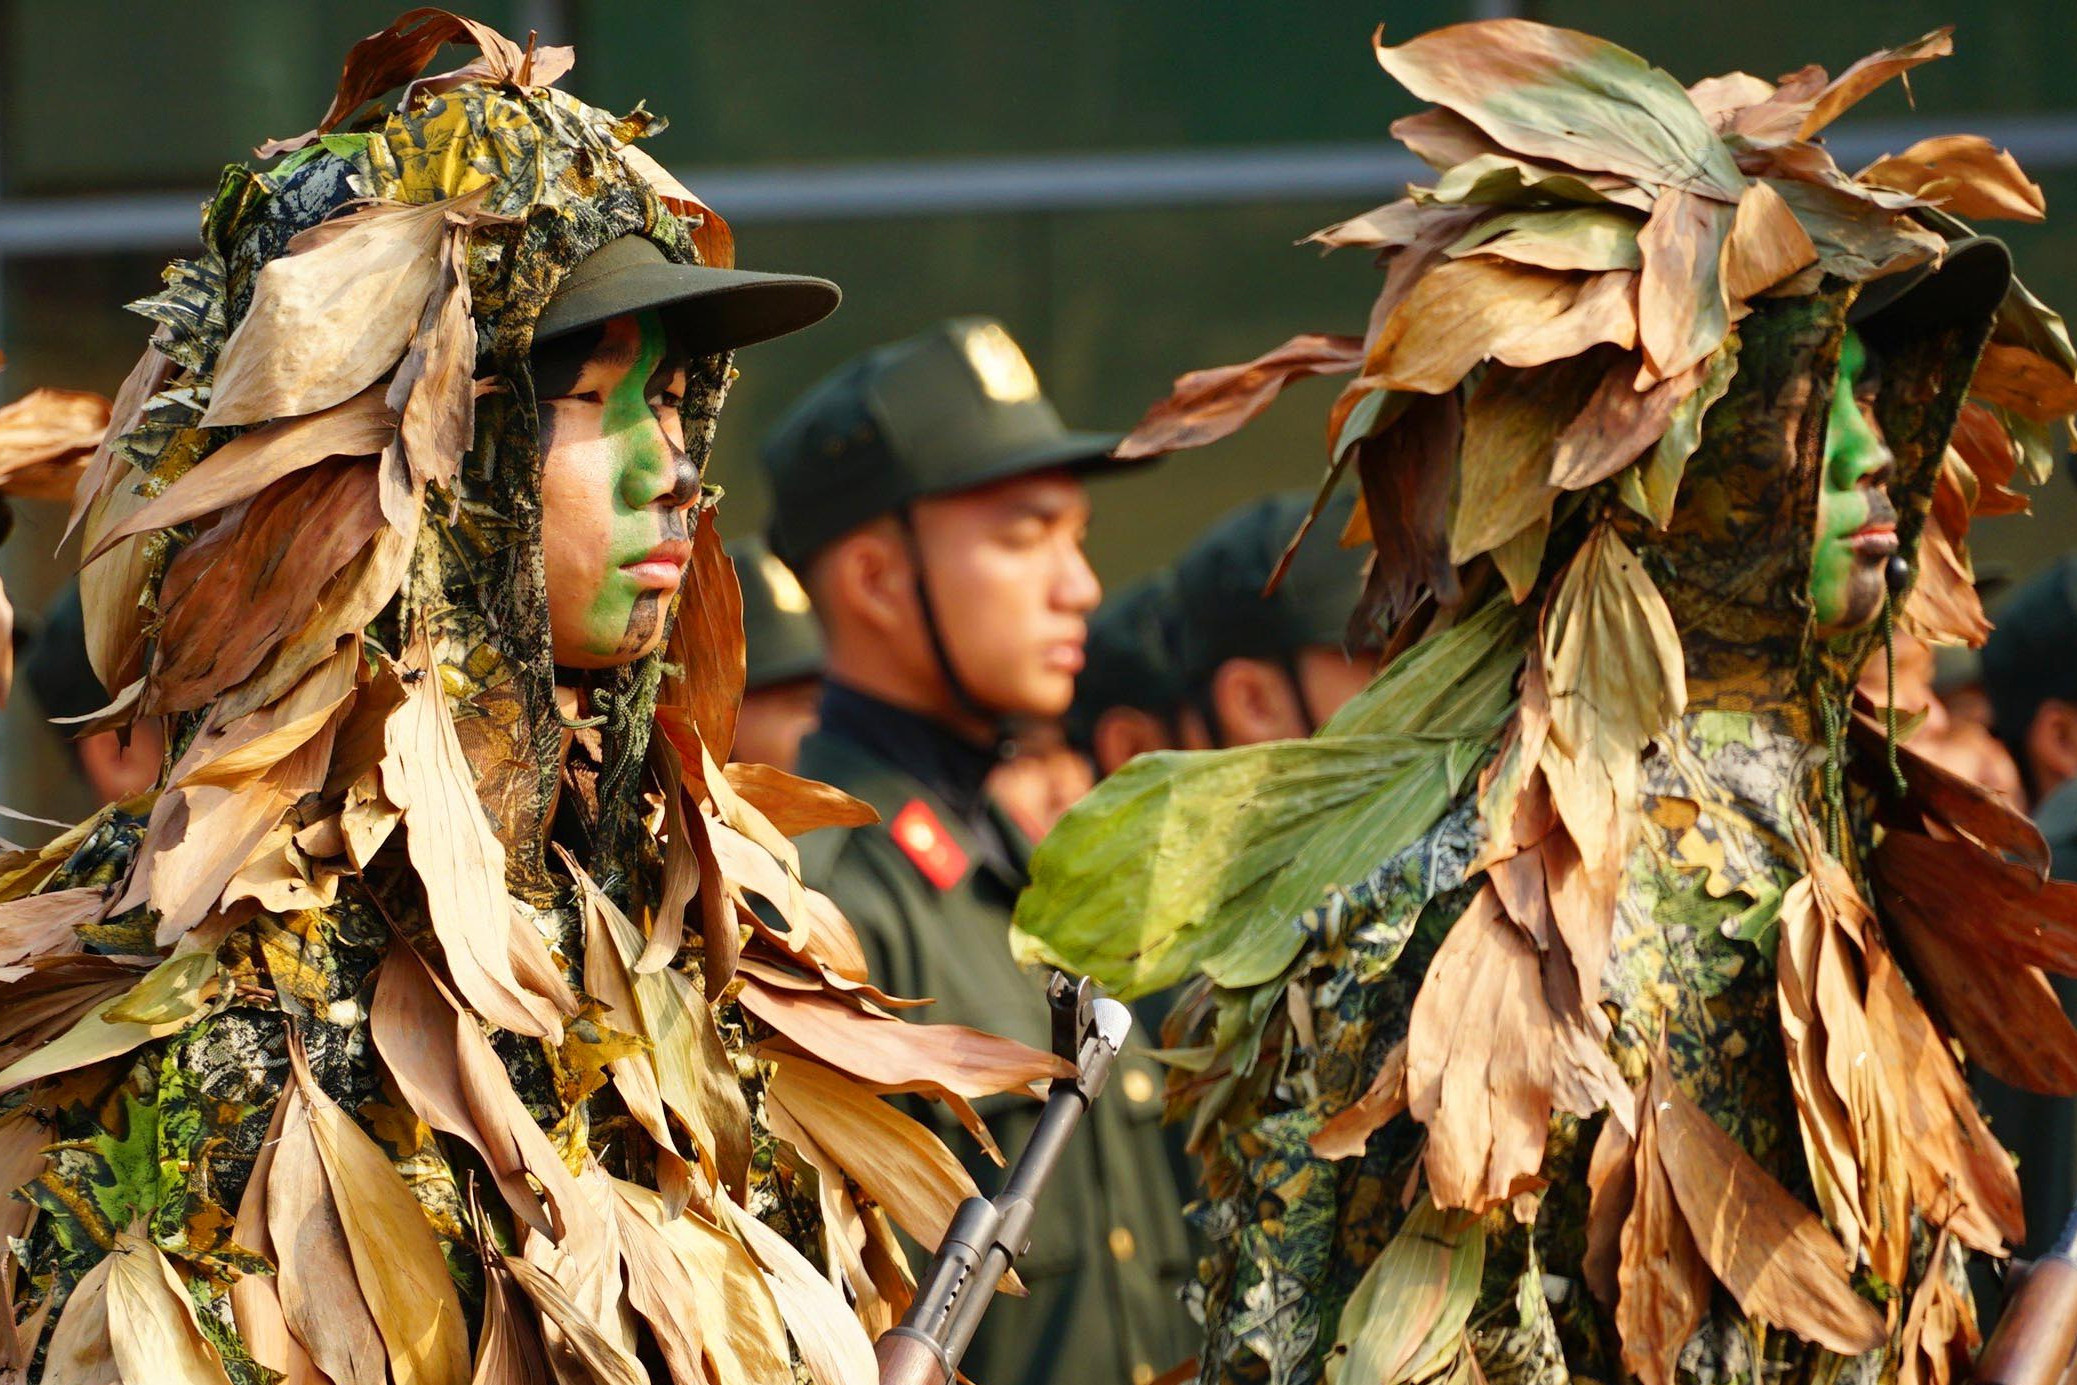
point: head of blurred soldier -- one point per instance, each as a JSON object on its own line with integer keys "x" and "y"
{"x": 62, "y": 680}
{"x": 1255, "y": 667}
{"x": 1960, "y": 744}
{"x": 932, "y": 501}
{"x": 782, "y": 659}
{"x": 2030, "y": 672}
{"x": 1044, "y": 776}
{"x": 1129, "y": 698}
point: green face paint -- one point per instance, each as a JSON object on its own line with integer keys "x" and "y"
{"x": 1856, "y": 525}
{"x": 616, "y": 487}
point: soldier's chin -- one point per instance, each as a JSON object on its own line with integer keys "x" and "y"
{"x": 1863, "y": 601}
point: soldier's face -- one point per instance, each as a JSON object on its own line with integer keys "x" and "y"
{"x": 1012, "y": 589}
{"x": 616, "y": 489}
{"x": 1856, "y": 524}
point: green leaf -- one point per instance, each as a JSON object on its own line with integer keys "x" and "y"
{"x": 1569, "y": 97}
{"x": 1203, "y": 862}
{"x": 1594, "y": 238}
{"x": 1406, "y": 1319}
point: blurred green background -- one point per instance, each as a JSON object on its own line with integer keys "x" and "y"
{"x": 116, "y": 112}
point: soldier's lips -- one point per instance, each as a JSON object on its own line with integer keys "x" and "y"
{"x": 1065, "y": 657}
{"x": 662, "y": 567}
{"x": 1877, "y": 540}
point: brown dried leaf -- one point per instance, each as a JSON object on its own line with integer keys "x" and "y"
{"x": 256, "y": 1298}
{"x": 1766, "y": 244}
{"x": 896, "y": 1161}
{"x": 706, "y": 646}
{"x": 1966, "y": 174}
{"x": 152, "y": 1329}
{"x": 79, "y": 1351}
{"x": 676, "y": 1261}
{"x": 394, "y": 55}
{"x": 332, "y": 315}
{"x": 1461, "y": 313}
{"x": 46, "y": 439}
{"x": 1972, "y": 810}
{"x": 250, "y": 462}
{"x": 1381, "y": 228}
{"x": 1604, "y": 314}
{"x": 1991, "y": 456}
{"x": 112, "y": 588}
{"x": 255, "y": 577}
{"x": 1662, "y": 1283}
{"x": 510, "y": 1349}
{"x": 2025, "y": 382}
{"x": 45, "y": 925}
{"x": 1849, "y": 87}
{"x": 1207, "y": 405}
{"x": 2005, "y": 1014}
{"x": 321, "y": 1300}
{"x": 1511, "y": 425}
{"x": 1611, "y": 1192}
{"x": 1769, "y": 1250}
{"x": 634, "y": 1075}
{"x": 1618, "y": 423}
{"x": 895, "y": 1055}
{"x": 795, "y": 805}
{"x": 696, "y": 1078}
{"x": 396, "y": 1259}
{"x": 1959, "y": 1173}
{"x": 433, "y": 392}
{"x": 458, "y": 857}
{"x": 1683, "y": 312}
{"x": 833, "y": 1346}
{"x": 711, "y": 235}
{"x": 1940, "y": 1337}
{"x": 1406, "y": 475}
{"x": 1478, "y": 1062}
{"x": 1943, "y": 606}
{"x": 578, "y": 1349}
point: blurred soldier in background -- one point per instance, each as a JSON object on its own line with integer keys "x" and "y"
{"x": 782, "y": 676}
{"x": 1129, "y": 698}
{"x": 931, "y": 500}
{"x": 1042, "y": 777}
{"x": 1264, "y": 668}
{"x": 2030, "y": 675}
{"x": 115, "y": 764}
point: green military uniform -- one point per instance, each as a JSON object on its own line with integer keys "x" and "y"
{"x": 931, "y": 887}
{"x": 1222, "y": 611}
{"x": 2031, "y": 657}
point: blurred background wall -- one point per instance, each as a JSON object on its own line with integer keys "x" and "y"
{"x": 1120, "y": 181}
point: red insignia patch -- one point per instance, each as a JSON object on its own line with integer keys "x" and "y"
{"x": 924, "y": 840}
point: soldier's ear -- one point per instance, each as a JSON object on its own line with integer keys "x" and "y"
{"x": 1255, "y": 702}
{"x": 2051, "y": 744}
{"x": 1123, "y": 732}
{"x": 869, "y": 581}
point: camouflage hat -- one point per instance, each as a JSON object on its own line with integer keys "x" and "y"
{"x": 948, "y": 410}
{"x": 1221, "y": 611}
{"x": 2031, "y": 655}
{"x": 1131, "y": 657}
{"x": 782, "y": 642}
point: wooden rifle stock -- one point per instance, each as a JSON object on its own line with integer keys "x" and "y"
{"x": 2035, "y": 1340}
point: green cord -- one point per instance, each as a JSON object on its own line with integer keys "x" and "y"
{"x": 1835, "y": 775}
{"x": 1889, "y": 710}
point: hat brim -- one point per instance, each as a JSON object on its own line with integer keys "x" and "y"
{"x": 1967, "y": 286}
{"x": 1079, "y": 453}
{"x": 709, "y": 310}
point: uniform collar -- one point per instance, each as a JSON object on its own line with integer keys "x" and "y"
{"x": 954, "y": 769}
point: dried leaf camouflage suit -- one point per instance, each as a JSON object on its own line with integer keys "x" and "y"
{"x": 386, "y": 1040}
{"x": 1583, "y": 1001}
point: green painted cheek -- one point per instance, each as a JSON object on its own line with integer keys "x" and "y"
{"x": 1851, "y": 449}
{"x": 622, "y": 614}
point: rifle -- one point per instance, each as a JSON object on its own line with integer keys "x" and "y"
{"x": 987, "y": 1236}
{"x": 2036, "y": 1336}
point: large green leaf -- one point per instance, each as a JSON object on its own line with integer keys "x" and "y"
{"x": 1189, "y": 862}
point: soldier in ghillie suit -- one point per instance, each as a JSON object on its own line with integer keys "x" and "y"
{"x": 1580, "y": 1002}
{"x": 418, "y": 1025}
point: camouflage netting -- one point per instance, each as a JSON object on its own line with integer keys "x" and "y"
{"x": 1578, "y": 1002}
{"x": 420, "y": 1023}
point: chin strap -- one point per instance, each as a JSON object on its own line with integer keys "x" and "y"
{"x": 1002, "y": 730}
